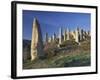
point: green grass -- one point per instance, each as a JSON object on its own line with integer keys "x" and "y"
{"x": 74, "y": 56}
{"x": 74, "y": 60}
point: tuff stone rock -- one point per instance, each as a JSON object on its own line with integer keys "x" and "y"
{"x": 36, "y": 42}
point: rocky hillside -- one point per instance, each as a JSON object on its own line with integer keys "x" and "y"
{"x": 26, "y": 50}
{"x": 69, "y": 54}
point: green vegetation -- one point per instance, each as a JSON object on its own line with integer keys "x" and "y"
{"x": 82, "y": 59}
{"x": 70, "y": 54}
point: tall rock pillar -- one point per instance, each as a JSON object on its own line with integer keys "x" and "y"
{"x": 60, "y": 35}
{"x": 46, "y": 38}
{"x": 65, "y": 35}
{"x": 36, "y": 42}
{"x": 81, "y": 34}
{"x": 77, "y": 35}
{"x": 54, "y": 37}
{"x": 68, "y": 34}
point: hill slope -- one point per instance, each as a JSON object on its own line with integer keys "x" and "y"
{"x": 72, "y": 55}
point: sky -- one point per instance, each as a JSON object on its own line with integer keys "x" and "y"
{"x": 50, "y": 22}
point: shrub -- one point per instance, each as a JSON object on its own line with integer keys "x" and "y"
{"x": 69, "y": 43}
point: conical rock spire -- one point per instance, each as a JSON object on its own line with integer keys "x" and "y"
{"x": 36, "y": 42}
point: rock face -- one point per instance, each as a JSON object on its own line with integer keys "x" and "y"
{"x": 36, "y": 42}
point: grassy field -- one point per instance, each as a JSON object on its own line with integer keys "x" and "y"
{"x": 75, "y": 56}
{"x": 82, "y": 59}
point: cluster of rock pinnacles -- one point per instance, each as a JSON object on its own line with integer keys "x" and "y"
{"x": 37, "y": 41}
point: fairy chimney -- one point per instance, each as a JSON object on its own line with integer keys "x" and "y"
{"x": 36, "y": 42}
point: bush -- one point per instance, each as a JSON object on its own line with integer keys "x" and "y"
{"x": 85, "y": 45}
{"x": 49, "y": 49}
{"x": 69, "y": 43}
